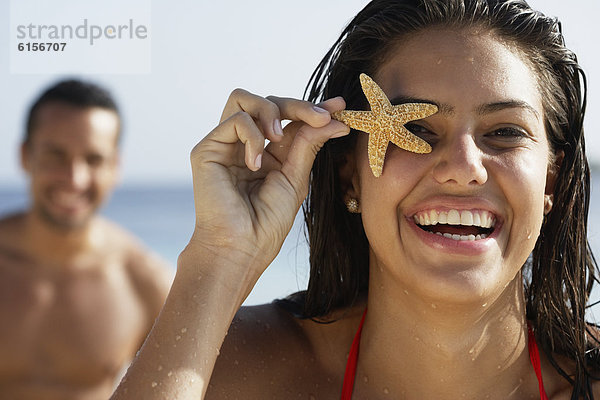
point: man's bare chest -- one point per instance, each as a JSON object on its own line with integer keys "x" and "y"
{"x": 77, "y": 325}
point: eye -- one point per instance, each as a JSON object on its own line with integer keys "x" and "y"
{"x": 95, "y": 160}
{"x": 507, "y": 137}
{"x": 508, "y": 133}
{"x": 422, "y": 132}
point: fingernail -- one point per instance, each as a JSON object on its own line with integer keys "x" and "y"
{"x": 258, "y": 161}
{"x": 277, "y": 127}
{"x": 320, "y": 110}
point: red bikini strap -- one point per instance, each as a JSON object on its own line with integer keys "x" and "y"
{"x": 534, "y": 356}
{"x": 350, "y": 373}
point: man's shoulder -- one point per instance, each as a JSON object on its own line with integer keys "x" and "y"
{"x": 11, "y": 226}
{"x": 149, "y": 273}
{"x": 11, "y": 235}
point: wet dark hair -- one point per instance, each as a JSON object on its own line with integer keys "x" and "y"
{"x": 561, "y": 270}
{"x": 73, "y": 92}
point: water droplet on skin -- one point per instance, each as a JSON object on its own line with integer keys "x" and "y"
{"x": 499, "y": 366}
{"x": 178, "y": 337}
{"x": 386, "y": 391}
{"x": 471, "y": 351}
{"x": 484, "y": 305}
{"x": 160, "y": 367}
{"x": 366, "y": 379}
{"x": 405, "y": 291}
{"x": 183, "y": 330}
{"x": 154, "y": 384}
{"x": 170, "y": 373}
{"x": 417, "y": 339}
{"x": 438, "y": 345}
{"x": 433, "y": 306}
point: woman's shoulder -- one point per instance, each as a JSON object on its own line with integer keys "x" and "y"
{"x": 561, "y": 388}
{"x": 270, "y": 351}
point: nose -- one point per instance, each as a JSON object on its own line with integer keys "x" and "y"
{"x": 79, "y": 174}
{"x": 460, "y": 162}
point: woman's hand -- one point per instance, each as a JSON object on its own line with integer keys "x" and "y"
{"x": 246, "y": 199}
{"x": 247, "y": 196}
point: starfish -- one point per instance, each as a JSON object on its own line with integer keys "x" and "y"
{"x": 385, "y": 123}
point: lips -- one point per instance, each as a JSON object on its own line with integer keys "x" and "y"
{"x": 455, "y": 224}
{"x": 69, "y": 201}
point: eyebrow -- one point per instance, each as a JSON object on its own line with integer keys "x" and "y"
{"x": 488, "y": 108}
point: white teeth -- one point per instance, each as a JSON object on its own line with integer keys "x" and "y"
{"x": 466, "y": 218}
{"x": 476, "y": 219}
{"x": 483, "y": 219}
{"x": 433, "y": 216}
{"x": 443, "y": 217}
{"x": 427, "y": 220}
{"x": 453, "y": 217}
{"x": 461, "y": 238}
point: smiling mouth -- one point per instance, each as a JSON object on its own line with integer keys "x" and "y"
{"x": 459, "y": 225}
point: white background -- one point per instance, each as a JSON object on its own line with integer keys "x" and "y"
{"x": 201, "y": 50}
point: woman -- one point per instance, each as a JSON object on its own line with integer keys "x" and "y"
{"x": 447, "y": 318}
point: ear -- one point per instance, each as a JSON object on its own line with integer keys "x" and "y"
{"x": 349, "y": 180}
{"x": 551, "y": 176}
{"x": 116, "y": 166}
{"x": 25, "y": 159}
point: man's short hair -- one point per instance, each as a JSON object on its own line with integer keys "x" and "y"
{"x": 75, "y": 93}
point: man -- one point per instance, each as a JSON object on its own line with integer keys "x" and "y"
{"x": 77, "y": 293}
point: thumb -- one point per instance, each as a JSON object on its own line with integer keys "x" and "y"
{"x": 303, "y": 150}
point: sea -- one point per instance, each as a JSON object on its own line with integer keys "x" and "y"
{"x": 163, "y": 218}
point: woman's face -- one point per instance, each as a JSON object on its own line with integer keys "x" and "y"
{"x": 486, "y": 176}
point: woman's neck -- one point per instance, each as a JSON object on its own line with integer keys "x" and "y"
{"x": 415, "y": 348}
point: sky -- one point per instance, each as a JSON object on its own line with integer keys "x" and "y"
{"x": 197, "y": 53}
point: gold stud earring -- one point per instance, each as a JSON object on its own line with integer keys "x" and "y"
{"x": 352, "y": 205}
{"x": 548, "y": 202}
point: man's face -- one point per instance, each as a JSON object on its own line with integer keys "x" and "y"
{"x": 72, "y": 162}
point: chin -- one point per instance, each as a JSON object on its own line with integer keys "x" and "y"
{"x": 66, "y": 223}
{"x": 475, "y": 285}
